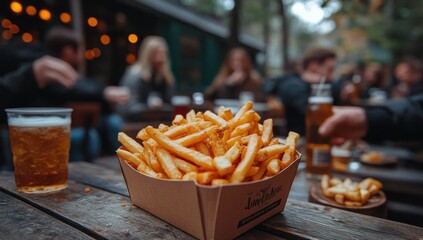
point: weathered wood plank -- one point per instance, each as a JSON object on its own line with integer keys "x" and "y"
{"x": 97, "y": 212}
{"x": 21, "y": 221}
{"x": 98, "y": 176}
{"x": 307, "y": 220}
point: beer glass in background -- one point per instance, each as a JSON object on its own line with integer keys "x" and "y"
{"x": 318, "y": 148}
{"x": 40, "y": 142}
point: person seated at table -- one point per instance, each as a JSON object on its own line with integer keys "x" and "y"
{"x": 407, "y": 79}
{"x": 399, "y": 119}
{"x": 235, "y": 77}
{"x": 318, "y": 63}
{"x": 150, "y": 76}
{"x": 370, "y": 85}
{"x": 21, "y": 87}
{"x": 64, "y": 43}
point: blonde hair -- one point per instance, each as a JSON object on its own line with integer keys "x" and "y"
{"x": 143, "y": 63}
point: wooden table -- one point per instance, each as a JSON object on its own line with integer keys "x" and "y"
{"x": 96, "y": 206}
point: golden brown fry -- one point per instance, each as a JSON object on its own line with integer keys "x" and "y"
{"x": 262, "y": 170}
{"x": 199, "y": 115}
{"x": 374, "y": 189}
{"x": 252, "y": 171}
{"x": 227, "y": 114}
{"x": 210, "y": 116}
{"x": 352, "y": 204}
{"x": 190, "y": 176}
{"x": 241, "y": 130}
{"x": 184, "y": 165}
{"x": 223, "y": 164}
{"x": 288, "y": 156}
{"x": 247, "y": 160}
{"x": 206, "y": 177}
{"x": 167, "y": 163}
{"x": 191, "y": 116}
{"x": 324, "y": 183}
{"x": 221, "y": 111}
{"x": 274, "y": 141}
{"x": 266, "y": 152}
{"x": 340, "y": 198}
{"x": 267, "y": 134}
{"x": 218, "y": 182}
{"x": 153, "y": 161}
{"x": 194, "y": 138}
{"x": 353, "y": 196}
{"x": 163, "y": 127}
{"x": 365, "y": 195}
{"x": 335, "y": 181}
{"x": 233, "y": 140}
{"x": 142, "y": 135}
{"x": 216, "y": 143}
{"x": 181, "y": 151}
{"x": 130, "y": 144}
{"x": 178, "y": 120}
{"x": 202, "y": 148}
{"x": 274, "y": 166}
{"x": 128, "y": 157}
{"x": 144, "y": 168}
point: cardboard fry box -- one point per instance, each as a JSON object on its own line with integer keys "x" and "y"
{"x": 205, "y": 212}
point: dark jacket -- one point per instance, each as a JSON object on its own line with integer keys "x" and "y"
{"x": 19, "y": 89}
{"x": 294, "y": 93}
{"x": 396, "y": 120}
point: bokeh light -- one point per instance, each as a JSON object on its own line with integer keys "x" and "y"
{"x": 65, "y": 17}
{"x": 105, "y": 39}
{"x": 31, "y": 10}
{"x": 7, "y": 35}
{"x": 27, "y": 37}
{"x": 45, "y": 14}
{"x": 92, "y": 22}
{"x": 132, "y": 38}
{"x": 16, "y": 7}
{"x": 130, "y": 58}
{"x": 14, "y": 29}
{"x": 96, "y": 52}
{"x": 89, "y": 54}
{"x": 6, "y": 23}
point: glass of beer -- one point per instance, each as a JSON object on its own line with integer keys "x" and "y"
{"x": 318, "y": 110}
{"x": 40, "y": 142}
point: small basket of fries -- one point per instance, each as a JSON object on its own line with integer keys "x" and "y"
{"x": 363, "y": 197}
{"x": 214, "y": 176}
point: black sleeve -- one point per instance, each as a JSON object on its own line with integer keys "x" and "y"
{"x": 294, "y": 95}
{"x": 20, "y": 82}
{"x": 396, "y": 120}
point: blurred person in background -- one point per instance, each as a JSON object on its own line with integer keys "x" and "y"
{"x": 236, "y": 76}
{"x": 408, "y": 78}
{"x": 399, "y": 119}
{"x": 369, "y": 86}
{"x": 150, "y": 74}
{"x": 64, "y": 43}
{"x": 317, "y": 64}
{"x": 23, "y": 87}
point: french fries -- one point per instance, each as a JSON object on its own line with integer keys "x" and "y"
{"x": 211, "y": 149}
{"x": 349, "y": 193}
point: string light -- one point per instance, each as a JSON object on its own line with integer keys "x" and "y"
{"x": 130, "y": 58}
{"x": 132, "y": 38}
{"x": 27, "y": 37}
{"x": 65, "y": 17}
{"x": 16, "y": 7}
{"x": 44, "y": 14}
{"x": 92, "y": 22}
{"x": 105, "y": 39}
{"x": 31, "y": 10}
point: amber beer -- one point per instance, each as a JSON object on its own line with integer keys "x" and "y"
{"x": 40, "y": 147}
{"x": 318, "y": 147}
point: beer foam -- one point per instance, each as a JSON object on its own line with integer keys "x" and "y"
{"x": 320, "y": 99}
{"x": 38, "y": 121}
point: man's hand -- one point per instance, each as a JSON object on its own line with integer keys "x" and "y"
{"x": 345, "y": 123}
{"x": 49, "y": 69}
{"x": 116, "y": 95}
